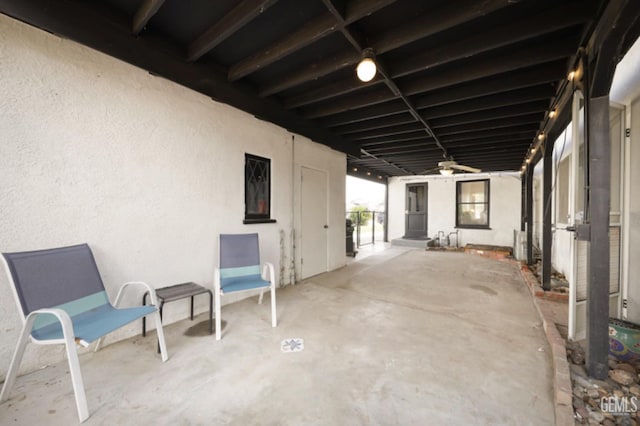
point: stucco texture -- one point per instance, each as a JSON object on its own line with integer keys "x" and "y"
{"x": 146, "y": 171}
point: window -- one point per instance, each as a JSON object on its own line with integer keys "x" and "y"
{"x": 257, "y": 189}
{"x": 472, "y": 204}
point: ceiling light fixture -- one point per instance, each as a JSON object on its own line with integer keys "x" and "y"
{"x": 541, "y": 136}
{"x": 571, "y": 75}
{"x": 446, "y": 172}
{"x": 553, "y": 113}
{"x": 367, "y": 69}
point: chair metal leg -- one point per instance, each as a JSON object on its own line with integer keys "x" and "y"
{"x": 218, "y": 320}
{"x": 17, "y": 358}
{"x": 76, "y": 378}
{"x": 261, "y": 294}
{"x": 274, "y": 319}
{"x": 160, "y": 332}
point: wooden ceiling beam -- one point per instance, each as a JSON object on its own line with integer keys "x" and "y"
{"x": 546, "y": 73}
{"x": 492, "y": 114}
{"x": 487, "y": 66}
{"x": 474, "y": 69}
{"x": 520, "y": 96}
{"x": 533, "y": 76}
{"x": 311, "y": 31}
{"x": 145, "y": 12}
{"x": 391, "y": 120}
{"x": 238, "y": 17}
{"x": 308, "y": 33}
{"x": 386, "y": 131}
{"x": 524, "y": 136}
{"x": 535, "y": 118}
{"x": 379, "y": 95}
{"x": 420, "y": 135}
{"x": 446, "y": 17}
{"x": 563, "y": 16}
{"x": 368, "y": 113}
{"x": 507, "y": 131}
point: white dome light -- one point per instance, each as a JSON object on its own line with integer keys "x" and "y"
{"x": 366, "y": 69}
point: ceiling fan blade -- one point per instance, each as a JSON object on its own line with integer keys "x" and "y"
{"x": 465, "y": 168}
{"x": 425, "y": 172}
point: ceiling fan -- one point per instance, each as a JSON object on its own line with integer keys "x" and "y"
{"x": 448, "y": 167}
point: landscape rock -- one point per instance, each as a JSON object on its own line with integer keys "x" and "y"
{"x": 582, "y": 414}
{"x": 623, "y": 377}
{"x": 626, "y": 367}
{"x": 597, "y": 416}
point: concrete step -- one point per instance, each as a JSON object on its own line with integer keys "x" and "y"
{"x": 405, "y": 242}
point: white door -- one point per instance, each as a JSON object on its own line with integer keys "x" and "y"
{"x": 314, "y": 222}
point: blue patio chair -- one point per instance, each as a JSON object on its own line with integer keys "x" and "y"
{"x": 63, "y": 301}
{"x": 240, "y": 271}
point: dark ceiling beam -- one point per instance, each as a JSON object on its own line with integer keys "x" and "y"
{"x": 368, "y": 113}
{"x": 490, "y": 141}
{"x": 475, "y": 69}
{"x": 486, "y": 66}
{"x": 552, "y": 71}
{"x": 446, "y": 17}
{"x": 563, "y": 16}
{"x": 515, "y": 132}
{"x": 532, "y": 76}
{"x": 417, "y": 135}
{"x": 380, "y": 123}
{"x": 99, "y": 27}
{"x": 520, "y": 96}
{"x": 377, "y": 95}
{"x": 546, "y": 73}
{"x": 145, "y": 12}
{"x": 308, "y": 33}
{"x": 389, "y": 163}
{"x": 535, "y": 118}
{"x": 400, "y": 148}
{"x": 311, "y": 31}
{"x": 492, "y": 114}
{"x": 238, "y": 17}
{"x": 386, "y": 131}
{"x": 514, "y": 156}
{"x": 328, "y": 91}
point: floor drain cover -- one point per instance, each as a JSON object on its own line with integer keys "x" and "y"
{"x": 292, "y": 345}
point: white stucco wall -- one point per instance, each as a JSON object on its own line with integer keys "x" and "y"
{"x": 504, "y": 215}
{"x": 146, "y": 171}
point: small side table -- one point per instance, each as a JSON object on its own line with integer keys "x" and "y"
{"x": 177, "y": 292}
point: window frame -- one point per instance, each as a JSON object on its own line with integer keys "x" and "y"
{"x": 251, "y": 218}
{"x": 487, "y": 203}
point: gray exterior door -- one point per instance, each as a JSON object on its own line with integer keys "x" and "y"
{"x": 416, "y": 211}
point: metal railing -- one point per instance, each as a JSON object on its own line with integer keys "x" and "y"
{"x": 368, "y": 226}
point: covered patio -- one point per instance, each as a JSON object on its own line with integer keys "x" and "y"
{"x": 402, "y": 336}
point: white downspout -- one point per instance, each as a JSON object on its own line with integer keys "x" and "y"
{"x": 626, "y": 200}
{"x": 576, "y": 138}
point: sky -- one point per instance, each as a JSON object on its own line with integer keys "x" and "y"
{"x": 364, "y": 192}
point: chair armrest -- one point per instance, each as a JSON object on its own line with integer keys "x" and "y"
{"x": 268, "y": 273}
{"x": 65, "y": 321}
{"x": 149, "y": 289}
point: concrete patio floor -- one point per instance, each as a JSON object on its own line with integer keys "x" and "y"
{"x": 402, "y": 336}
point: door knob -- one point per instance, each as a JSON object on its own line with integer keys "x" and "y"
{"x": 326, "y": 226}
